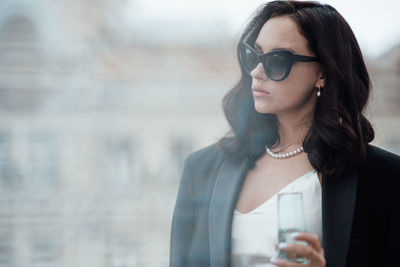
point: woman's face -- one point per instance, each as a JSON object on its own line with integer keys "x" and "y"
{"x": 296, "y": 93}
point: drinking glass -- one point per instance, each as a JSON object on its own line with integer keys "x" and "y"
{"x": 290, "y": 219}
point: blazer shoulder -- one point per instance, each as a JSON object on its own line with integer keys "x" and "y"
{"x": 378, "y": 158}
{"x": 380, "y": 154}
{"x": 208, "y": 155}
{"x": 200, "y": 167}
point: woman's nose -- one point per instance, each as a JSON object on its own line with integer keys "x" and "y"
{"x": 258, "y": 72}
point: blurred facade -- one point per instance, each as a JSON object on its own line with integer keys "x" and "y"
{"x": 96, "y": 118}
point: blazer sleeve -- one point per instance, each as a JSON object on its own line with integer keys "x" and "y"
{"x": 183, "y": 218}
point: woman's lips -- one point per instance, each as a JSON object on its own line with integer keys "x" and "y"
{"x": 260, "y": 92}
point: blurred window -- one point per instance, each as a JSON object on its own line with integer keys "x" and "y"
{"x": 41, "y": 166}
{"x": 120, "y": 253}
{"x": 17, "y": 29}
{"x": 44, "y": 252}
{"x": 119, "y": 164}
{"x": 20, "y": 62}
{"x": 6, "y": 170}
{"x": 6, "y": 249}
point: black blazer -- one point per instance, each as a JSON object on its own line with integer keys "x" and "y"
{"x": 360, "y": 211}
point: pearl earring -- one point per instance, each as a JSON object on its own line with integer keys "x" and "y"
{"x": 319, "y": 91}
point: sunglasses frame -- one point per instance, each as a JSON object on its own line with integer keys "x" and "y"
{"x": 291, "y": 58}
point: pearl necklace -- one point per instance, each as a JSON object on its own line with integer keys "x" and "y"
{"x": 284, "y": 155}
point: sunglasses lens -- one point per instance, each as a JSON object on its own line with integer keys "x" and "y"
{"x": 249, "y": 59}
{"x": 277, "y": 66}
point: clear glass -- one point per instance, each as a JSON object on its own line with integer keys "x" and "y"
{"x": 290, "y": 219}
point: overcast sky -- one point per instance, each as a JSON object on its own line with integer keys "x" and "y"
{"x": 376, "y": 24}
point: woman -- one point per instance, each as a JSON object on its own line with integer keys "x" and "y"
{"x": 297, "y": 123}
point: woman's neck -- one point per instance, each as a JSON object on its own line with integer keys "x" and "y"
{"x": 292, "y": 129}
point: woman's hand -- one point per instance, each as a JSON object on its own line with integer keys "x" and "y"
{"x": 314, "y": 252}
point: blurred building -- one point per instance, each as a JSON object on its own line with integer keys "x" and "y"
{"x": 96, "y": 118}
{"x": 384, "y": 109}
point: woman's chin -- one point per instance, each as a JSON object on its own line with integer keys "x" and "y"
{"x": 263, "y": 109}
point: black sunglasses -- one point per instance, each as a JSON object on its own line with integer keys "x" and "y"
{"x": 277, "y": 64}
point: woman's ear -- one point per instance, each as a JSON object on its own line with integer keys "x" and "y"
{"x": 321, "y": 80}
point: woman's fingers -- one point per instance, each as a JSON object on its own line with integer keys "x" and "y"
{"x": 282, "y": 263}
{"x": 313, "y": 252}
{"x": 297, "y": 250}
{"x": 300, "y": 250}
{"x": 310, "y": 238}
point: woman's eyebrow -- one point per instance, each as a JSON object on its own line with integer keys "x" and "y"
{"x": 258, "y": 48}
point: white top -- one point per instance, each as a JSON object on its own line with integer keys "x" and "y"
{"x": 254, "y": 234}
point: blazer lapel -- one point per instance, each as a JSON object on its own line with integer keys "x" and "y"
{"x": 225, "y": 193}
{"x": 338, "y": 201}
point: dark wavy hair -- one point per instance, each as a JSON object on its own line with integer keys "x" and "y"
{"x": 339, "y": 134}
